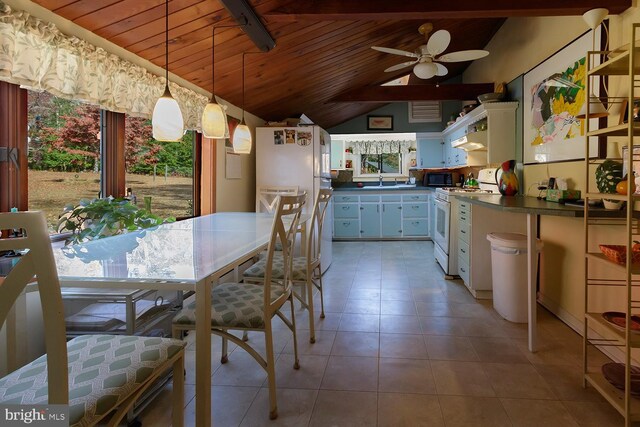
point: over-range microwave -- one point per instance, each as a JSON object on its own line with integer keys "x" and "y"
{"x": 441, "y": 179}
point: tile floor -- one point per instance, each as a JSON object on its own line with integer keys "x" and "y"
{"x": 401, "y": 346}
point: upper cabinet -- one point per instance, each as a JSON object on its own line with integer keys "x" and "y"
{"x": 487, "y": 134}
{"x": 429, "y": 150}
{"x": 337, "y": 154}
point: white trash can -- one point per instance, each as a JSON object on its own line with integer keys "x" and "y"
{"x": 509, "y": 274}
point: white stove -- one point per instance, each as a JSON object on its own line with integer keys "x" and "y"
{"x": 446, "y": 230}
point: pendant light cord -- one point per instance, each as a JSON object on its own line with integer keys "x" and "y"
{"x": 166, "y": 41}
{"x": 243, "y": 54}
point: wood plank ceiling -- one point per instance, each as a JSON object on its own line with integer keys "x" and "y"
{"x": 317, "y": 56}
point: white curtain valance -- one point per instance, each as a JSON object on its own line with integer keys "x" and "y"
{"x": 382, "y": 147}
{"x": 36, "y": 55}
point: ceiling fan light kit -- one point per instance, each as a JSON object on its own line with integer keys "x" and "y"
{"x": 427, "y": 57}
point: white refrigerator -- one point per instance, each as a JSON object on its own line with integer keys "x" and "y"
{"x": 297, "y": 156}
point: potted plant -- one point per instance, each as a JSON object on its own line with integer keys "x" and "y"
{"x": 608, "y": 175}
{"x": 98, "y": 218}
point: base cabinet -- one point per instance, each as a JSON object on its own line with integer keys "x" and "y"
{"x": 382, "y": 216}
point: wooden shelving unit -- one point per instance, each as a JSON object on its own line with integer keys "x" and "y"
{"x": 598, "y": 331}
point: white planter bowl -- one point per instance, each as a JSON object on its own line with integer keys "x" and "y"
{"x": 612, "y": 204}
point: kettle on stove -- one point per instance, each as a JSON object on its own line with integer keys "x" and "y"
{"x": 471, "y": 182}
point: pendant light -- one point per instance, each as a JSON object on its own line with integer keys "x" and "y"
{"x": 167, "y": 118}
{"x": 214, "y": 119}
{"x": 242, "y": 134}
{"x": 593, "y": 18}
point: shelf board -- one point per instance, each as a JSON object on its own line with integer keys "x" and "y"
{"x": 617, "y": 130}
{"x": 618, "y": 333}
{"x": 599, "y": 257}
{"x": 617, "y": 66}
{"x": 622, "y": 197}
{"x": 614, "y": 396}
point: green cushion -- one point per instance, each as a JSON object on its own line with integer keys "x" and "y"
{"x": 103, "y": 371}
{"x": 234, "y": 305}
{"x": 257, "y": 270}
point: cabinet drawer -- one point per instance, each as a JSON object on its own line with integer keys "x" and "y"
{"x": 415, "y": 197}
{"x": 464, "y": 231}
{"x": 464, "y": 272}
{"x": 374, "y": 199}
{"x": 394, "y": 198}
{"x": 464, "y": 217}
{"x": 345, "y": 210}
{"x": 415, "y": 210}
{"x": 345, "y": 199}
{"x": 415, "y": 227}
{"x": 346, "y": 228}
{"x": 464, "y": 205}
{"x": 463, "y": 251}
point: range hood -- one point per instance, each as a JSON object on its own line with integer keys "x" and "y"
{"x": 473, "y": 141}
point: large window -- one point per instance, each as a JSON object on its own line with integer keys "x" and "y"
{"x": 159, "y": 175}
{"x": 64, "y": 153}
{"x": 380, "y": 163}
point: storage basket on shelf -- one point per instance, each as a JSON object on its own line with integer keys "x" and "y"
{"x": 618, "y": 253}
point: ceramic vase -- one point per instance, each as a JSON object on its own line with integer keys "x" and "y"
{"x": 508, "y": 182}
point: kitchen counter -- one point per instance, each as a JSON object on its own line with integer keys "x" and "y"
{"x": 386, "y": 188}
{"x": 533, "y": 205}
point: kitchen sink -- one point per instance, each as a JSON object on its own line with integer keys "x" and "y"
{"x": 387, "y": 187}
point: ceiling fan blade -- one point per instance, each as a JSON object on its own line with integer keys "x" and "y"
{"x": 442, "y": 70}
{"x": 395, "y": 51}
{"x": 400, "y": 66}
{"x": 438, "y": 42}
{"x": 463, "y": 55}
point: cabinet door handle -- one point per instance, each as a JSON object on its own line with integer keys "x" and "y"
{"x": 463, "y": 251}
{"x": 463, "y": 218}
{"x": 346, "y": 224}
{"x": 400, "y": 207}
{"x": 383, "y": 208}
{"x": 463, "y": 232}
{"x": 463, "y": 270}
{"x": 378, "y": 208}
{"x": 346, "y": 208}
{"x": 361, "y": 208}
{"x": 414, "y": 207}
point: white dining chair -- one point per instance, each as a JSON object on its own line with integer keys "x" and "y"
{"x": 100, "y": 377}
{"x": 307, "y": 269}
{"x": 252, "y": 306}
{"x": 267, "y": 196}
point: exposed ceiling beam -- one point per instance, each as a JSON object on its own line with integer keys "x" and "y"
{"x": 384, "y": 10}
{"x": 426, "y": 92}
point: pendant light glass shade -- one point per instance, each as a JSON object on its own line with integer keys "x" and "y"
{"x": 214, "y": 121}
{"x": 425, "y": 70}
{"x": 242, "y": 139}
{"x": 167, "y": 121}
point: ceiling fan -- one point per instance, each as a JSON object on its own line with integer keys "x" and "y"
{"x": 428, "y": 57}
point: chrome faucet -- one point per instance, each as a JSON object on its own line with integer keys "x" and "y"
{"x": 380, "y": 180}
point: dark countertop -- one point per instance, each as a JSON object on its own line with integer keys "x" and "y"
{"x": 385, "y": 188}
{"x": 532, "y": 205}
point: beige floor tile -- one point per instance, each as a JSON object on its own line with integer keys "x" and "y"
{"x": 436, "y": 309}
{"x": 351, "y": 373}
{"x": 365, "y": 344}
{"x": 450, "y": 348}
{"x": 536, "y": 413}
{"x": 366, "y": 283}
{"x": 502, "y": 350}
{"x": 484, "y": 326}
{"x": 461, "y": 378}
{"x": 405, "y": 376}
{"x": 517, "y": 380}
{"x": 429, "y": 295}
{"x": 322, "y": 346}
{"x": 399, "y": 324}
{"x": 391, "y": 294}
{"x": 403, "y": 346}
{"x": 402, "y": 308}
{"x": 159, "y": 411}
{"x": 331, "y": 322}
{"x": 309, "y": 376}
{"x": 591, "y": 414}
{"x": 294, "y": 408}
{"x": 409, "y": 410}
{"x": 359, "y": 322}
{"x": 190, "y": 365}
{"x": 368, "y": 294}
{"x": 240, "y": 370}
{"x": 362, "y": 306}
{"x": 442, "y": 325}
{"x": 228, "y": 405}
{"x": 566, "y": 383}
{"x": 550, "y": 352}
{"x": 459, "y": 411}
{"x": 344, "y": 409}
{"x": 395, "y": 284}
{"x": 331, "y": 304}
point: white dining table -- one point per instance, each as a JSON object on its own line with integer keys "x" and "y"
{"x": 186, "y": 255}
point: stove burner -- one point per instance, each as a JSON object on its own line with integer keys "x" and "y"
{"x": 464, "y": 190}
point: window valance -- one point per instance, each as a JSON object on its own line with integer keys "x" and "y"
{"x": 36, "y": 55}
{"x": 388, "y": 143}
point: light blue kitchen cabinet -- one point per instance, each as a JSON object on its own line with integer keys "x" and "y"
{"x": 337, "y": 154}
{"x": 415, "y": 210}
{"x": 346, "y": 227}
{"x": 391, "y": 219}
{"x": 415, "y": 227}
{"x": 369, "y": 220}
{"x": 429, "y": 152}
{"x": 345, "y": 210}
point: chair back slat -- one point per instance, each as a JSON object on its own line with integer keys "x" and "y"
{"x": 267, "y": 197}
{"x": 285, "y": 225}
{"x": 39, "y": 264}
{"x": 317, "y": 220}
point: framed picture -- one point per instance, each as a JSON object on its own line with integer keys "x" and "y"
{"x": 379, "y": 122}
{"x": 554, "y": 94}
{"x": 624, "y": 111}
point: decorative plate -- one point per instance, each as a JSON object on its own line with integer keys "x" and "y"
{"x": 614, "y": 373}
{"x": 619, "y": 320}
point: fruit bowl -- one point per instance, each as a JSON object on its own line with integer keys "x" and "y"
{"x": 618, "y": 253}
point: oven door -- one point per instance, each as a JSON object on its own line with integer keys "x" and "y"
{"x": 441, "y": 233}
